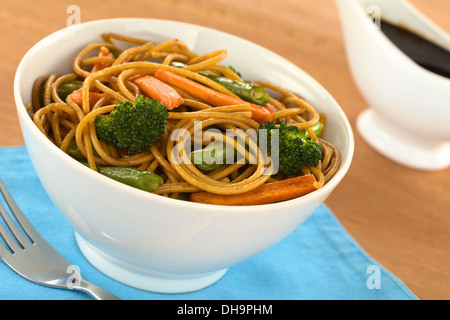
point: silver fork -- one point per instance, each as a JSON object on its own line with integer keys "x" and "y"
{"x": 28, "y": 254}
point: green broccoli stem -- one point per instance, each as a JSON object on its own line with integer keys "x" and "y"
{"x": 317, "y": 128}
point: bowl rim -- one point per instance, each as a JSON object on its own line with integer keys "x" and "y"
{"x": 317, "y": 194}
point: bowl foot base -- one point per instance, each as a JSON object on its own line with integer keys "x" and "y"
{"x": 405, "y": 150}
{"x": 147, "y": 280}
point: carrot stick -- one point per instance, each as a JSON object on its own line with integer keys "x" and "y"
{"x": 213, "y": 97}
{"x": 104, "y": 53}
{"x": 159, "y": 91}
{"x": 267, "y": 193}
{"x": 77, "y": 97}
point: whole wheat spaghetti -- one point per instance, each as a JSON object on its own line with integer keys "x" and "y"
{"x": 106, "y": 73}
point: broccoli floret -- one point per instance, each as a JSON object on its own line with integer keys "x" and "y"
{"x": 294, "y": 148}
{"x": 134, "y": 127}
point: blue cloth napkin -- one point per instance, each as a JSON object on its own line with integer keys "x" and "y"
{"x": 318, "y": 261}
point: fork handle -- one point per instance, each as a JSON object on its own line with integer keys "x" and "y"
{"x": 95, "y": 291}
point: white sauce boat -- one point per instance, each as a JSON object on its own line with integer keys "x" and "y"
{"x": 409, "y": 116}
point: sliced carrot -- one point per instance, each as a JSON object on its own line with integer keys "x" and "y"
{"x": 158, "y": 90}
{"x": 77, "y": 97}
{"x": 267, "y": 193}
{"x": 104, "y": 53}
{"x": 259, "y": 113}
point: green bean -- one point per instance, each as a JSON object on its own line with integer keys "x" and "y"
{"x": 246, "y": 91}
{"x": 144, "y": 180}
{"x": 211, "y": 157}
{"x": 68, "y": 87}
{"x": 184, "y": 196}
{"x": 141, "y": 179}
{"x": 178, "y": 64}
{"x": 73, "y": 151}
{"x": 64, "y": 89}
{"x": 41, "y": 93}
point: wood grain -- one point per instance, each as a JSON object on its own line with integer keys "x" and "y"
{"x": 401, "y": 217}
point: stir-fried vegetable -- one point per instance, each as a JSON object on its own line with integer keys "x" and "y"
{"x": 245, "y": 90}
{"x": 267, "y": 193}
{"x": 259, "y": 113}
{"x": 159, "y": 91}
{"x": 134, "y": 127}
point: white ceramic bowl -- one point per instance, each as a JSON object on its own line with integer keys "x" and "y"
{"x": 149, "y": 241}
{"x": 409, "y": 116}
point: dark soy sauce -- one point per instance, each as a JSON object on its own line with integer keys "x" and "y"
{"x": 425, "y": 53}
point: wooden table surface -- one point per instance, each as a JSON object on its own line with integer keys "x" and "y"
{"x": 400, "y": 216}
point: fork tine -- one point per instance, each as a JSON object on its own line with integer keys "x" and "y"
{"x": 10, "y": 244}
{"x": 30, "y": 233}
{"x": 13, "y": 229}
